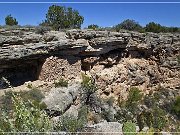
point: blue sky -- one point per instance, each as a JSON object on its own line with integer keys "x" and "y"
{"x": 100, "y": 14}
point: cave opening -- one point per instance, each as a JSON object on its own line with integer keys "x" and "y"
{"x": 18, "y": 75}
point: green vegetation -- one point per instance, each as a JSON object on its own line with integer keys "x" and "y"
{"x": 129, "y": 25}
{"x": 134, "y": 97}
{"x": 59, "y": 17}
{"x": 107, "y": 115}
{"x": 24, "y": 118}
{"x": 9, "y": 20}
{"x": 88, "y": 83}
{"x": 42, "y": 29}
{"x": 70, "y": 123}
{"x": 155, "y": 27}
{"x": 148, "y": 132}
{"x": 129, "y": 128}
{"x": 93, "y": 26}
{"x": 176, "y": 106}
{"x": 159, "y": 120}
{"x": 34, "y": 95}
{"x": 150, "y": 27}
{"x": 61, "y": 83}
{"x": 88, "y": 93}
{"x": 156, "y": 118}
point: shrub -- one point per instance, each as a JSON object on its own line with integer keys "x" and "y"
{"x": 159, "y": 119}
{"x": 123, "y": 116}
{"x": 134, "y": 96}
{"x": 145, "y": 118}
{"x": 93, "y": 26}
{"x": 61, "y": 83}
{"x": 148, "y": 132}
{"x": 129, "y": 128}
{"x": 9, "y": 20}
{"x": 140, "y": 121}
{"x": 42, "y": 29}
{"x": 88, "y": 93}
{"x": 34, "y": 95}
{"x": 155, "y": 118}
{"x": 176, "y": 106}
{"x": 24, "y": 118}
{"x": 70, "y": 123}
{"x": 107, "y": 115}
{"x": 148, "y": 118}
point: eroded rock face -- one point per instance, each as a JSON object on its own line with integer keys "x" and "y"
{"x": 30, "y": 45}
{"x": 117, "y": 60}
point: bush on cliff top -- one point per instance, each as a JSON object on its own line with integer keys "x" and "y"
{"x": 9, "y": 20}
{"x": 93, "y": 26}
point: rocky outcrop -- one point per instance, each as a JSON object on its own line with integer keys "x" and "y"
{"x": 115, "y": 62}
{"x": 29, "y": 45}
{"x": 27, "y": 56}
{"x": 60, "y": 99}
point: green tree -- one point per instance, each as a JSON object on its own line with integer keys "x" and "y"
{"x": 59, "y": 17}
{"x": 93, "y": 26}
{"x": 154, "y": 27}
{"x": 129, "y": 25}
{"x": 9, "y": 20}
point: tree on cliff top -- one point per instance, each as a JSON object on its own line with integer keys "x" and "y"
{"x": 129, "y": 25}
{"x": 9, "y": 20}
{"x": 155, "y": 27}
{"x": 93, "y": 26}
{"x": 60, "y": 17}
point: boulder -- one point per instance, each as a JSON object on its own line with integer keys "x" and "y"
{"x": 60, "y": 99}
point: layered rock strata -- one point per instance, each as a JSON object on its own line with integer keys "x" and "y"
{"x": 116, "y": 60}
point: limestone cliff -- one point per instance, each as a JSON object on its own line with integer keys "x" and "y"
{"x": 116, "y": 60}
